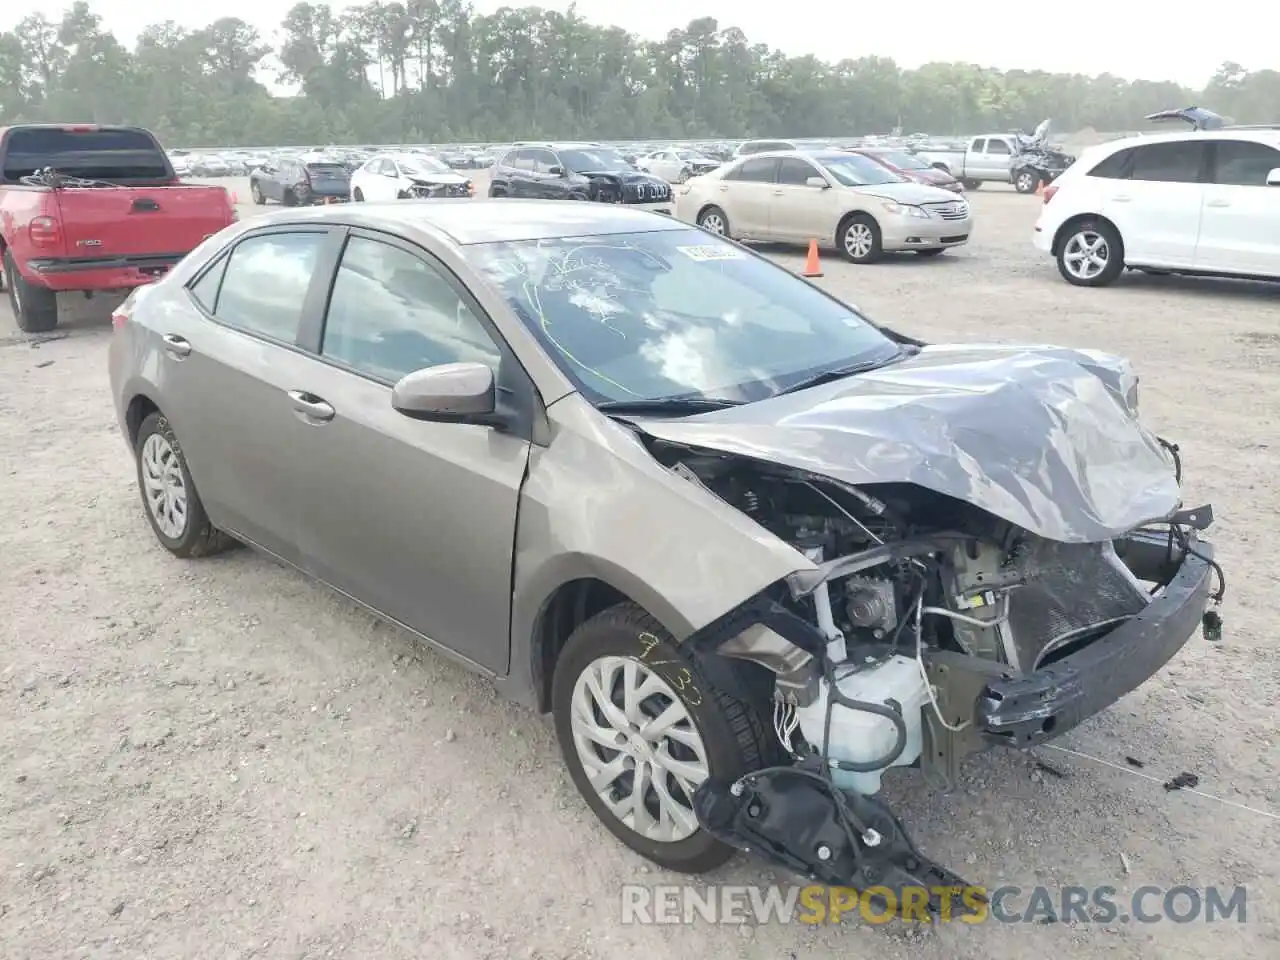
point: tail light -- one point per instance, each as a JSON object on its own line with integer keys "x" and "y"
{"x": 471, "y": 189}
{"x": 124, "y": 313}
{"x": 1049, "y": 191}
{"x": 44, "y": 231}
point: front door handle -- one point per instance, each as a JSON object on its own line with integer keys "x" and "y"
{"x": 1218, "y": 203}
{"x": 176, "y": 346}
{"x": 1121, "y": 198}
{"x": 777, "y": 193}
{"x": 310, "y": 406}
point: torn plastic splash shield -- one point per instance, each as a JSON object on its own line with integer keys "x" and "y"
{"x": 1045, "y": 438}
{"x": 793, "y": 818}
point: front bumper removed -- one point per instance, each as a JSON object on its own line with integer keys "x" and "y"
{"x": 795, "y": 818}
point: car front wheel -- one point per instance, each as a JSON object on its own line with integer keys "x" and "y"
{"x": 859, "y": 239}
{"x": 640, "y": 728}
{"x": 1091, "y": 254}
{"x": 173, "y": 507}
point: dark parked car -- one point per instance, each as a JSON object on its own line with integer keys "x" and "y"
{"x": 574, "y": 171}
{"x": 301, "y": 181}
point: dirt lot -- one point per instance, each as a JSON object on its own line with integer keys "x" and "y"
{"x": 218, "y": 759}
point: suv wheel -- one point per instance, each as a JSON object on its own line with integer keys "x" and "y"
{"x": 1091, "y": 254}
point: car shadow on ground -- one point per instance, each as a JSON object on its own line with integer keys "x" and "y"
{"x": 1215, "y": 287}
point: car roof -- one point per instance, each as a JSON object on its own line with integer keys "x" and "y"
{"x": 1269, "y": 136}
{"x": 485, "y": 220}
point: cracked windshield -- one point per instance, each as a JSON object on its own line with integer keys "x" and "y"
{"x": 674, "y": 314}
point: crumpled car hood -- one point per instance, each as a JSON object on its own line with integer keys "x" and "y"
{"x": 1043, "y": 437}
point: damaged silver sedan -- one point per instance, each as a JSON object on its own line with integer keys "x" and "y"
{"x": 752, "y": 550}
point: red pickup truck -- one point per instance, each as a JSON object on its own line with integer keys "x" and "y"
{"x": 88, "y": 207}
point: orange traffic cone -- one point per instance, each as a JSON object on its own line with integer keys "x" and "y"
{"x": 812, "y": 268}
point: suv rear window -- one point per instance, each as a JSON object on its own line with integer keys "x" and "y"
{"x": 1118, "y": 166}
{"x": 104, "y": 153}
{"x": 327, "y": 169}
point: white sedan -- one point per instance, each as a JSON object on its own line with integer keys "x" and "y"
{"x": 405, "y": 176}
{"x": 677, "y": 165}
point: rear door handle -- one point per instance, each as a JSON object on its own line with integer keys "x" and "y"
{"x": 177, "y": 347}
{"x": 1217, "y": 203}
{"x": 777, "y": 193}
{"x": 1121, "y": 198}
{"x": 311, "y": 406}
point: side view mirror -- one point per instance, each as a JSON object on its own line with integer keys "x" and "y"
{"x": 817, "y": 182}
{"x": 556, "y": 171}
{"x": 1273, "y": 178}
{"x": 449, "y": 393}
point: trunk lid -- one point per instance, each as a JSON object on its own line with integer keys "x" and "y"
{"x": 129, "y": 221}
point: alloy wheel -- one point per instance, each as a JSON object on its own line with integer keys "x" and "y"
{"x": 713, "y": 223}
{"x": 639, "y": 746}
{"x": 1086, "y": 255}
{"x": 164, "y": 487}
{"x": 859, "y": 241}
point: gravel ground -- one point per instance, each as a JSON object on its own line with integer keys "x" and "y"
{"x": 219, "y": 759}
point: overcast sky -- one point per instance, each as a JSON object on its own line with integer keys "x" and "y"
{"x": 1132, "y": 38}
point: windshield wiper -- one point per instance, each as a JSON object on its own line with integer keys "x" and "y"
{"x": 670, "y": 405}
{"x": 839, "y": 373}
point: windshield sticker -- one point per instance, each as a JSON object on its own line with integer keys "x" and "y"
{"x": 715, "y": 252}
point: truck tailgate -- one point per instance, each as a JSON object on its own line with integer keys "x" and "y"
{"x": 128, "y": 221}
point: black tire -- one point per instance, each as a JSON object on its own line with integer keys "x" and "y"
{"x": 1114, "y": 252}
{"x": 496, "y": 190}
{"x": 256, "y": 192}
{"x": 199, "y": 537}
{"x": 402, "y": 195}
{"x": 358, "y": 195}
{"x": 971, "y": 184}
{"x": 931, "y": 253}
{"x": 713, "y": 215}
{"x": 683, "y": 176}
{"x": 35, "y": 309}
{"x": 868, "y": 247}
{"x": 1026, "y": 180}
{"x": 289, "y": 198}
{"x": 732, "y": 733}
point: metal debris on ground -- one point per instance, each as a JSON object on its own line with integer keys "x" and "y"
{"x": 1183, "y": 779}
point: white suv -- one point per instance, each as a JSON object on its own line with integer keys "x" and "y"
{"x": 1204, "y": 203}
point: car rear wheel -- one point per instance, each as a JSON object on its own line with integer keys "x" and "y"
{"x": 859, "y": 239}
{"x": 683, "y": 176}
{"x": 173, "y": 507}
{"x": 358, "y": 195}
{"x": 256, "y": 192}
{"x": 1026, "y": 181}
{"x": 971, "y": 184}
{"x": 1091, "y": 254}
{"x": 640, "y": 728}
{"x": 35, "y": 309}
{"x": 714, "y": 220}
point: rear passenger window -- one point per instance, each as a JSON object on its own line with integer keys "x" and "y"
{"x": 391, "y": 313}
{"x": 205, "y": 290}
{"x": 266, "y": 283}
{"x": 1115, "y": 167}
{"x": 1178, "y": 161}
{"x": 1242, "y": 163}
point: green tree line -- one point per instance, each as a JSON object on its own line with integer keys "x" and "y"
{"x": 435, "y": 71}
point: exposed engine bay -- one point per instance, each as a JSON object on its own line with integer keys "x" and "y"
{"x": 930, "y": 629}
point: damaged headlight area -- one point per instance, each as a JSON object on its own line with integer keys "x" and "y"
{"x": 925, "y": 630}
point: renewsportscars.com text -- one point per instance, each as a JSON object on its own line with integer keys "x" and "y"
{"x": 814, "y": 904}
